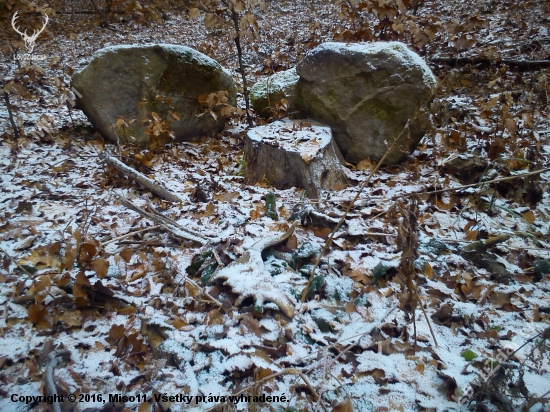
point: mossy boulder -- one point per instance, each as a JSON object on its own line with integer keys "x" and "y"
{"x": 151, "y": 94}
{"x": 367, "y": 94}
{"x": 266, "y": 93}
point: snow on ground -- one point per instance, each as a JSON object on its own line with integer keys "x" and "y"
{"x": 148, "y": 325}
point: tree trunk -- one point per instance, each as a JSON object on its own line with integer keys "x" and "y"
{"x": 294, "y": 153}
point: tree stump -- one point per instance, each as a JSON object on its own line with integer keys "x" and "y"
{"x": 296, "y": 153}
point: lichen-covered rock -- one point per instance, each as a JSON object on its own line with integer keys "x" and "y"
{"x": 266, "y": 93}
{"x": 367, "y": 93}
{"x": 149, "y": 94}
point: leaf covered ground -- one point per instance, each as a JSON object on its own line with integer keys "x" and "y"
{"x": 430, "y": 293}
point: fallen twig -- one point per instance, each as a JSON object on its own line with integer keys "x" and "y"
{"x": 141, "y": 178}
{"x": 166, "y": 223}
{"x": 104, "y": 21}
{"x": 533, "y": 401}
{"x": 14, "y": 262}
{"x": 217, "y": 257}
{"x": 129, "y": 234}
{"x": 449, "y": 189}
{"x": 425, "y": 316}
{"x": 522, "y": 64}
{"x": 378, "y": 234}
{"x": 204, "y": 292}
{"x": 24, "y": 298}
{"x": 48, "y": 375}
{"x": 481, "y": 245}
{"x": 274, "y": 375}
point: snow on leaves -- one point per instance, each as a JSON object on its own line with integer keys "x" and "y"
{"x": 247, "y": 276}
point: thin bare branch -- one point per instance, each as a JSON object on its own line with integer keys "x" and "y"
{"x": 48, "y": 375}
{"x": 130, "y": 234}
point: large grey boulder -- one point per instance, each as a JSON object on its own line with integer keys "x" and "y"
{"x": 367, "y": 93}
{"x": 268, "y": 92}
{"x": 149, "y": 94}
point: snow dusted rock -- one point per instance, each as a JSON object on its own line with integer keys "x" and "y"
{"x": 148, "y": 94}
{"x": 268, "y": 92}
{"x": 367, "y": 93}
{"x": 294, "y": 154}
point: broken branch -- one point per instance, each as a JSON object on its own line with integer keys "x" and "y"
{"x": 129, "y": 234}
{"x": 48, "y": 375}
{"x": 15, "y": 263}
{"x": 449, "y": 189}
{"x": 461, "y": 61}
{"x": 166, "y": 223}
{"x": 141, "y": 178}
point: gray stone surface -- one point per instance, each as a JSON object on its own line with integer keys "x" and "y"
{"x": 367, "y": 93}
{"x": 134, "y": 81}
{"x": 269, "y": 91}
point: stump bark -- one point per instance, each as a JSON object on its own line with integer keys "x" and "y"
{"x": 297, "y": 153}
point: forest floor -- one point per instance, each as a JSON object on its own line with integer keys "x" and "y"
{"x": 133, "y": 312}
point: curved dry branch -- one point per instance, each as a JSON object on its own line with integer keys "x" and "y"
{"x": 48, "y": 375}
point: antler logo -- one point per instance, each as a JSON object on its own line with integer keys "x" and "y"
{"x": 29, "y": 40}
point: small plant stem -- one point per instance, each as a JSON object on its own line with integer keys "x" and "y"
{"x": 10, "y": 115}
{"x": 104, "y": 21}
{"x": 235, "y": 19}
{"x": 15, "y": 262}
{"x": 274, "y": 375}
{"x": 129, "y": 234}
{"x": 426, "y": 316}
{"x": 329, "y": 240}
{"x": 449, "y": 189}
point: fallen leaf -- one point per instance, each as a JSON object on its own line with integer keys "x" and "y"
{"x": 292, "y": 243}
{"x": 366, "y": 164}
{"x": 87, "y": 253}
{"x": 226, "y": 197}
{"x": 471, "y": 235}
{"x": 41, "y": 288}
{"x": 78, "y": 292}
{"x": 40, "y": 258}
{"x": 358, "y": 276}
{"x": 144, "y": 407}
{"x": 25, "y": 244}
{"x": 194, "y": 12}
{"x": 37, "y": 313}
{"x": 82, "y": 279}
{"x": 428, "y": 271}
{"x": 491, "y": 103}
{"x": 71, "y": 318}
{"x": 323, "y": 233}
{"x": 179, "y": 323}
{"x": 344, "y": 406}
{"x": 126, "y": 254}
{"x": 100, "y": 267}
{"x": 529, "y": 216}
{"x": 209, "y": 210}
{"x": 468, "y": 355}
{"x": 511, "y": 126}
{"x": 115, "y": 334}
